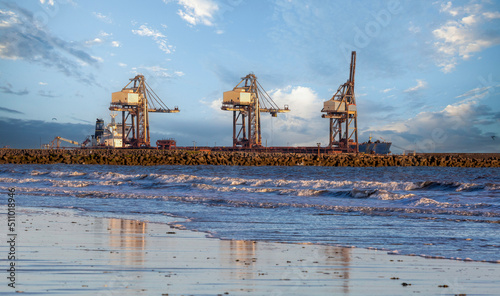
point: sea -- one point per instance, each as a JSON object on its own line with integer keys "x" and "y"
{"x": 434, "y": 212}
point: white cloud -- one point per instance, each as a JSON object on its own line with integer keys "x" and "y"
{"x": 302, "y": 125}
{"x": 387, "y": 90}
{"x": 303, "y": 100}
{"x": 420, "y": 85}
{"x": 8, "y": 18}
{"x": 452, "y": 129}
{"x": 446, "y": 7}
{"x": 102, "y": 17}
{"x": 470, "y": 20}
{"x": 198, "y": 11}
{"x": 99, "y": 59}
{"x": 145, "y": 31}
{"x": 23, "y": 38}
{"x": 102, "y": 38}
{"x": 459, "y": 110}
{"x": 477, "y": 93}
{"x": 42, "y": 83}
{"x": 413, "y": 28}
{"x": 157, "y": 36}
{"x": 157, "y": 71}
{"x": 49, "y": 2}
{"x": 215, "y": 106}
{"x": 94, "y": 41}
{"x": 492, "y": 15}
{"x": 465, "y": 35}
{"x": 122, "y": 64}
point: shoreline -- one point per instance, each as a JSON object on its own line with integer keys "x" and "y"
{"x": 63, "y": 251}
{"x": 147, "y": 157}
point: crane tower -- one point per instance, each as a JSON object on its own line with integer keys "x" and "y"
{"x": 135, "y": 101}
{"x": 342, "y": 112}
{"x": 247, "y": 100}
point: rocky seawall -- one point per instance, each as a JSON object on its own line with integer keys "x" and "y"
{"x": 177, "y": 157}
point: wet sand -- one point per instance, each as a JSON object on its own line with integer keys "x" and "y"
{"x": 63, "y": 253}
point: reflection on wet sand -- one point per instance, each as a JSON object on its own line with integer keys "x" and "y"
{"x": 245, "y": 262}
{"x": 128, "y": 237}
{"x": 252, "y": 261}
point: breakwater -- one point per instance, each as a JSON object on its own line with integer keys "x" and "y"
{"x": 179, "y": 157}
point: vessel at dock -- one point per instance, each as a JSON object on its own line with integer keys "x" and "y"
{"x": 376, "y": 147}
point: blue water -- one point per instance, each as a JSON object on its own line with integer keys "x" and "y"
{"x": 429, "y": 211}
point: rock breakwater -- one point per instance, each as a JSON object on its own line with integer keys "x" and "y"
{"x": 179, "y": 157}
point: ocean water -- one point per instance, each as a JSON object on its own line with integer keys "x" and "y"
{"x": 435, "y": 212}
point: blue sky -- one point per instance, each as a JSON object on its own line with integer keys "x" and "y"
{"x": 427, "y": 75}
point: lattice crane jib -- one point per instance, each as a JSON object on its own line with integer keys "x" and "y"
{"x": 136, "y": 100}
{"x": 342, "y": 112}
{"x": 248, "y": 100}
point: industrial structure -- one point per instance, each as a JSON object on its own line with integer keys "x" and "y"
{"x": 56, "y": 143}
{"x": 135, "y": 101}
{"x": 342, "y": 112}
{"x": 247, "y": 100}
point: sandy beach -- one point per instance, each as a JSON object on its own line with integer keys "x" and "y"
{"x": 60, "y": 252}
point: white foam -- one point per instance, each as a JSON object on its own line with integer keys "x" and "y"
{"x": 64, "y": 183}
{"x": 428, "y": 201}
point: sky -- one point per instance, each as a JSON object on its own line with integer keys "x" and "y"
{"x": 427, "y": 72}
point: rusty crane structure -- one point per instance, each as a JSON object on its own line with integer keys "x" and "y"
{"x": 136, "y": 100}
{"x": 342, "y": 112}
{"x": 248, "y": 100}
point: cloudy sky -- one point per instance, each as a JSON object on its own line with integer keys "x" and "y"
{"x": 427, "y": 76}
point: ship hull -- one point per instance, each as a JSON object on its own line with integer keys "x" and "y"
{"x": 375, "y": 148}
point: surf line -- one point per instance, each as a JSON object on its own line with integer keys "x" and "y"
{"x": 11, "y": 237}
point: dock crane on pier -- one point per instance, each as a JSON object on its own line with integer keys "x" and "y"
{"x": 56, "y": 143}
{"x": 247, "y": 100}
{"x": 342, "y": 112}
{"x": 135, "y": 101}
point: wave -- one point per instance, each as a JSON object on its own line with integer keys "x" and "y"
{"x": 319, "y": 184}
{"x": 21, "y": 181}
{"x": 302, "y": 188}
{"x": 64, "y": 183}
{"x": 428, "y": 201}
{"x": 38, "y": 173}
{"x": 421, "y": 206}
{"x": 491, "y": 186}
{"x": 57, "y": 174}
{"x": 454, "y": 186}
{"x": 387, "y": 195}
{"x": 435, "y": 185}
{"x": 471, "y": 187}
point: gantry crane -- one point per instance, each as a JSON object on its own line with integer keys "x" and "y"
{"x": 247, "y": 100}
{"x": 342, "y": 112}
{"x": 135, "y": 101}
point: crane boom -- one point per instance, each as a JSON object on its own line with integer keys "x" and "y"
{"x": 56, "y": 143}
